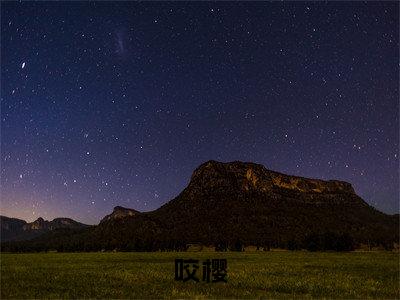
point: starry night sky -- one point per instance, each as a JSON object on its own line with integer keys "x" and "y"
{"x": 116, "y": 103}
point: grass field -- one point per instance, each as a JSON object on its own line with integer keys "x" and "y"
{"x": 151, "y": 275}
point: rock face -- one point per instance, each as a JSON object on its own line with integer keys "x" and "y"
{"x": 120, "y": 212}
{"x": 38, "y": 224}
{"x": 15, "y": 229}
{"x": 247, "y": 202}
{"x": 216, "y": 176}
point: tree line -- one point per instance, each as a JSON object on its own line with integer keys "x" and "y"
{"x": 66, "y": 240}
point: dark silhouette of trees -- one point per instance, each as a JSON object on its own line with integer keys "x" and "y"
{"x": 238, "y": 246}
{"x": 329, "y": 241}
{"x": 221, "y": 246}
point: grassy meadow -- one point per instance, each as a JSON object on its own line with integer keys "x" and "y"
{"x": 275, "y": 274}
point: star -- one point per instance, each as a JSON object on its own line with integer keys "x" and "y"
{"x": 291, "y": 91}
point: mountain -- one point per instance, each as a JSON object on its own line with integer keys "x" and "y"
{"x": 15, "y": 229}
{"x": 226, "y": 204}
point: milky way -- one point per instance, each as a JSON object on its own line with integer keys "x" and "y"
{"x": 116, "y": 103}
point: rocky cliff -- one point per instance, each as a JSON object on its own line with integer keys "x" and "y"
{"x": 214, "y": 175}
{"x": 120, "y": 212}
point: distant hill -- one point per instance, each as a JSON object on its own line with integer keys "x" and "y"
{"x": 231, "y": 204}
{"x": 16, "y": 230}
